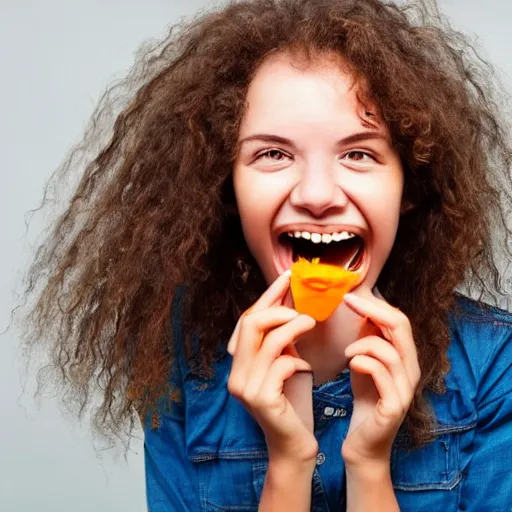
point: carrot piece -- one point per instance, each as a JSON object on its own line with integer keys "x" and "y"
{"x": 318, "y": 288}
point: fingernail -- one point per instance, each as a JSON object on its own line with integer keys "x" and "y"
{"x": 354, "y": 303}
{"x": 287, "y": 273}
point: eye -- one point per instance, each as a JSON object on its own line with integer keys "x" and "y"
{"x": 273, "y": 154}
{"x": 358, "y": 156}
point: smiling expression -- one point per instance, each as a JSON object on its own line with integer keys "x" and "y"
{"x": 311, "y": 164}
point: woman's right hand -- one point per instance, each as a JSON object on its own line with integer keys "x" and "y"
{"x": 263, "y": 359}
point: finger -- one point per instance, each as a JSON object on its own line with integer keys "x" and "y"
{"x": 271, "y": 296}
{"x": 281, "y": 369}
{"x": 390, "y": 406}
{"x": 394, "y": 325}
{"x": 385, "y": 352}
{"x": 252, "y": 330}
{"x": 291, "y": 351}
{"x": 381, "y": 313}
{"x": 284, "y": 336}
{"x": 261, "y": 321}
{"x": 274, "y": 294}
{"x": 254, "y": 326}
{"x": 274, "y": 344}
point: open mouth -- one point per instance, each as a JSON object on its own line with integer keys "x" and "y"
{"x": 344, "y": 249}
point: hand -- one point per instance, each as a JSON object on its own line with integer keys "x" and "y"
{"x": 384, "y": 375}
{"x": 263, "y": 359}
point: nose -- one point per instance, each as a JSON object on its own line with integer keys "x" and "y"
{"x": 317, "y": 191}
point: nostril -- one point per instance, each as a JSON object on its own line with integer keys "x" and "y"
{"x": 318, "y": 196}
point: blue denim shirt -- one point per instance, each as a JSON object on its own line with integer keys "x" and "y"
{"x": 208, "y": 454}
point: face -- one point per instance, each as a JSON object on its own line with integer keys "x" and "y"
{"x": 314, "y": 175}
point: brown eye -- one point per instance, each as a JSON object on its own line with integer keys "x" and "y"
{"x": 273, "y": 154}
{"x": 359, "y": 156}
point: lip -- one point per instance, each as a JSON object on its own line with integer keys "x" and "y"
{"x": 279, "y": 256}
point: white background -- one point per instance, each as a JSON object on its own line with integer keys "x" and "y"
{"x": 56, "y": 59}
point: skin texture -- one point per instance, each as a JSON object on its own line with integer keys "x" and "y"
{"x": 290, "y": 155}
{"x": 315, "y": 181}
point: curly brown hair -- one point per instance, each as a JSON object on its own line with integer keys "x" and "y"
{"x": 151, "y": 211}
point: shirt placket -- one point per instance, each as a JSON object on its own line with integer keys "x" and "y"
{"x": 332, "y": 405}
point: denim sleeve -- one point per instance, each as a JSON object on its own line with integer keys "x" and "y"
{"x": 171, "y": 483}
{"x": 487, "y": 485}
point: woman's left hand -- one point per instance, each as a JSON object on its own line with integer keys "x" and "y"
{"x": 384, "y": 375}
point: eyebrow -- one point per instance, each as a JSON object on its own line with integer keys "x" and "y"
{"x": 350, "y": 139}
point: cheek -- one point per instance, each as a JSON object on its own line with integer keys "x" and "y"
{"x": 380, "y": 201}
{"x": 258, "y": 196}
{"x": 385, "y": 212}
{"x": 385, "y": 224}
{"x": 383, "y": 195}
{"x": 253, "y": 210}
{"x": 380, "y": 204}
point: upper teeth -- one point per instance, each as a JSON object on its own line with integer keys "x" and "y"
{"x": 325, "y": 238}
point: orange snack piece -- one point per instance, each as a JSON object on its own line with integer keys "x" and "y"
{"x": 318, "y": 288}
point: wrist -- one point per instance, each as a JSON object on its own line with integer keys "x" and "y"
{"x": 280, "y": 466}
{"x": 296, "y": 455}
{"x": 287, "y": 485}
{"x": 370, "y": 487}
{"x": 370, "y": 471}
{"x": 356, "y": 458}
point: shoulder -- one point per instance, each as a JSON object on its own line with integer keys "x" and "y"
{"x": 479, "y": 330}
{"x": 481, "y": 344}
{"x": 470, "y": 452}
{"x": 471, "y": 313}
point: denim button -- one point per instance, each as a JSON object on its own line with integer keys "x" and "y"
{"x": 328, "y": 411}
{"x": 320, "y": 458}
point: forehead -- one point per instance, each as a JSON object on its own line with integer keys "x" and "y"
{"x": 290, "y": 89}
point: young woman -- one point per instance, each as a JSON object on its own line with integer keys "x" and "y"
{"x": 355, "y": 131}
